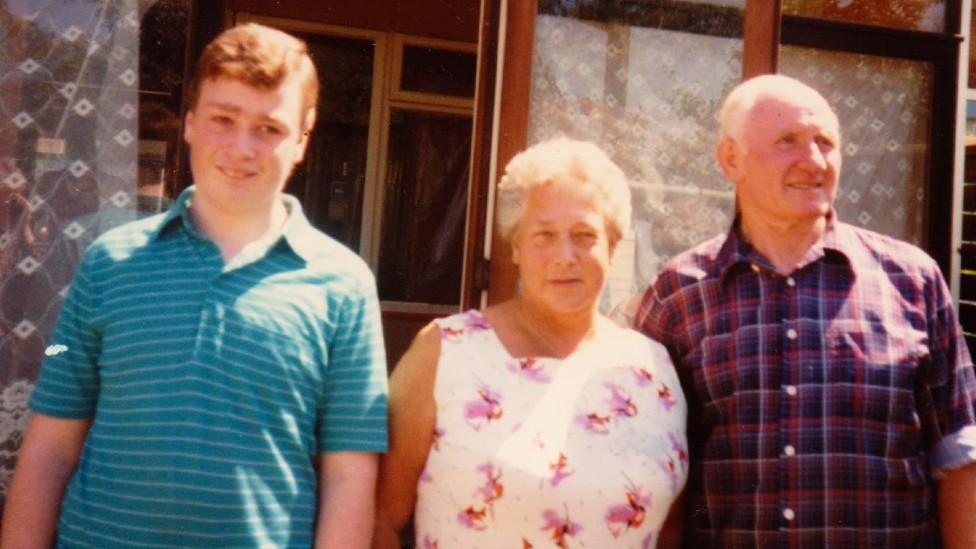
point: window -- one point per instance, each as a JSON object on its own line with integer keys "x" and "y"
{"x": 387, "y": 168}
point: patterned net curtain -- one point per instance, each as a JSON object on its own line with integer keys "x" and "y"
{"x": 882, "y": 104}
{"x": 68, "y": 150}
{"x": 644, "y": 80}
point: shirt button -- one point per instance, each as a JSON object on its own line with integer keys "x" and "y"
{"x": 790, "y": 282}
{"x": 788, "y": 514}
{"x": 791, "y": 390}
{"x": 791, "y": 333}
{"x": 789, "y": 450}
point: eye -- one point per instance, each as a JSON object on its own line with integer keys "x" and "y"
{"x": 221, "y": 120}
{"x": 788, "y": 139}
{"x": 542, "y": 236}
{"x": 585, "y": 237}
{"x": 269, "y": 130}
{"x": 825, "y": 142}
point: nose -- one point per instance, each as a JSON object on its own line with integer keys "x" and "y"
{"x": 241, "y": 144}
{"x": 814, "y": 157}
{"x": 565, "y": 252}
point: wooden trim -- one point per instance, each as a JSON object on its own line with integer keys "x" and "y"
{"x": 481, "y": 143}
{"x": 969, "y": 196}
{"x": 396, "y": 71}
{"x": 761, "y": 35}
{"x": 513, "y": 125}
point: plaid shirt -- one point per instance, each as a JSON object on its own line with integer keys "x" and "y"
{"x": 821, "y": 404}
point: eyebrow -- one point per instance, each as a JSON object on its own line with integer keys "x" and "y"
{"x": 229, "y": 107}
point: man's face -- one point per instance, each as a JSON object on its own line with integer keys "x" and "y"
{"x": 785, "y": 160}
{"x": 244, "y": 142}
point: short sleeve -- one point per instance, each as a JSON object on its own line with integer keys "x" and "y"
{"x": 354, "y": 416}
{"x": 68, "y": 385}
{"x": 948, "y": 403}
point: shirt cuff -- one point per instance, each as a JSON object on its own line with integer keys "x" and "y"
{"x": 954, "y": 451}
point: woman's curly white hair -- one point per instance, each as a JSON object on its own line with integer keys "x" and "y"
{"x": 564, "y": 161}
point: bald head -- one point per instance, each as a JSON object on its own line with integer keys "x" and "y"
{"x": 739, "y": 105}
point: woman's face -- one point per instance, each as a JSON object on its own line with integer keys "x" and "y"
{"x": 562, "y": 248}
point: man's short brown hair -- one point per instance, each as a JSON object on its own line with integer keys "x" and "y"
{"x": 261, "y": 57}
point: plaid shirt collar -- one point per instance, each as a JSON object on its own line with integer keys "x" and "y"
{"x": 838, "y": 244}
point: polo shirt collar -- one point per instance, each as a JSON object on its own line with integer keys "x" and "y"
{"x": 297, "y": 232}
{"x": 838, "y": 243}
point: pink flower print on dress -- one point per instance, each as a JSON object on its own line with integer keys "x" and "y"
{"x": 435, "y": 443}
{"x": 679, "y": 451}
{"x": 475, "y": 519}
{"x": 648, "y": 541}
{"x": 594, "y": 422}
{"x": 628, "y": 515}
{"x": 425, "y": 475}
{"x": 560, "y": 470}
{"x": 642, "y": 377}
{"x": 449, "y": 332}
{"x": 486, "y": 408}
{"x": 529, "y": 368}
{"x": 475, "y": 322}
{"x": 492, "y": 489}
{"x": 670, "y": 467}
{"x": 560, "y": 527}
{"x": 430, "y": 544}
{"x": 620, "y": 401}
{"x": 664, "y": 395}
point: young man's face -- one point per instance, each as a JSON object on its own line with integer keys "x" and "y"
{"x": 244, "y": 142}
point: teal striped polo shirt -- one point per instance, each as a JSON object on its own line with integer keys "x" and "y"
{"x": 212, "y": 388}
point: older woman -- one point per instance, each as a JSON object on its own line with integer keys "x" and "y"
{"x": 538, "y": 422}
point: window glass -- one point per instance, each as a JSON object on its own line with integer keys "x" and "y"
{"x": 925, "y": 15}
{"x": 424, "y": 200}
{"x": 330, "y": 182}
{"x": 78, "y": 155}
{"x": 883, "y": 106}
{"x": 644, "y": 83}
{"x": 438, "y": 71}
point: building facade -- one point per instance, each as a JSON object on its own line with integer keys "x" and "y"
{"x": 423, "y": 103}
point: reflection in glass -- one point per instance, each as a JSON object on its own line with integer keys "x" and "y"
{"x": 424, "y": 205}
{"x": 883, "y": 108}
{"x": 330, "y": 181}
{"x": 645, "y": 84}
{"x": 438, "y": 71}
{"x": 926, "y": 15}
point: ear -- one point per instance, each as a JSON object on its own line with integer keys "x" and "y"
{"x": 188, "y": 128}
{"x": 306, "y": 134}
{"x": 729, "y": 157}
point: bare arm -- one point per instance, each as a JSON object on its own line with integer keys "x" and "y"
{"x": 346, "y": 484}
{"x": 47, "y": 460}
{"x": 957, "y": 500}
{"x": 412, "y": 421}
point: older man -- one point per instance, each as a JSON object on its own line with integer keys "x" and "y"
{"x": 217, "y": 376}
{"x": 831, "y": 394}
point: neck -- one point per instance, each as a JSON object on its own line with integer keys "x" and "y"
{"x": 784, "y": 244}
{"x": 557, "y": 334}
{"x": 230, "y": 232}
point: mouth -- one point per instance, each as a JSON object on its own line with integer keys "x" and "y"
{"x": 805, "y": 186}
{"x": 235, "y": 173}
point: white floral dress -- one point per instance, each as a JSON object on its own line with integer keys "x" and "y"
{"x": 586, "y": 451}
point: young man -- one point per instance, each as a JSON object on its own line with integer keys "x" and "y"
{"x": 831, "y": 395}
{"x": 217, "y": 376}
